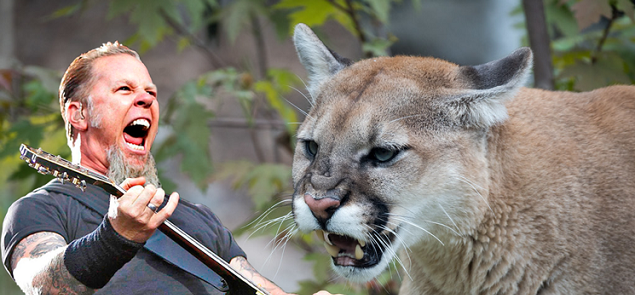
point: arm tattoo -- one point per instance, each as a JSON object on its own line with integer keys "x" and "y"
{"x": 249, "y": 272}
{"x": 42, "y": 270}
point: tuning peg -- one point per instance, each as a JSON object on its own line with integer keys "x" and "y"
{"x": 55, "y": 173}
{"x": 63, "y": 177}
{"x": 43, "y": 170}
{"x": 82, "y": 185}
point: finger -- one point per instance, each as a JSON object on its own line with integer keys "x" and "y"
{"x": 143, "y": 199}
{"x": 130, "y": 182}
{"x": 157, "y": 200}
{"x": 167, "y": 211}
{"x": 130, "y": 196}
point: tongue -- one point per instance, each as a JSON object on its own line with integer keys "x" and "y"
{"x": 133, "y": 140}
{"x": 345, "y": 243}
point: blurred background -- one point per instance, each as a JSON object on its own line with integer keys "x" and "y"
{"x": 232, "y": 95}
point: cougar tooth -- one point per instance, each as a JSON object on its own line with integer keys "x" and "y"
{"x": 359, "y": 254}
{"x": 326, "y": 238}
{"x": 320, "y": 234}
{"x": 331, "y": 249}
{"x": 362, "y": 243}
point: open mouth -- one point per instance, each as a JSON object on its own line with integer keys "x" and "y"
{"x": 135, "y": 134}
{"x": 347, "y": 251}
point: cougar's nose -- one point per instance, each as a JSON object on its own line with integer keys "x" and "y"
{"x": 322, "y": 208}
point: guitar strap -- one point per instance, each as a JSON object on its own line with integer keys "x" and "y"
{"x": 159, "y": 243}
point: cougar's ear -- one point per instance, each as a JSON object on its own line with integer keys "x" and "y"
{"x": 488, "y": 87}
{"x": 318, "y": 60}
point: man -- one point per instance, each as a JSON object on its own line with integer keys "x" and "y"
{"x": 53, "y": 242}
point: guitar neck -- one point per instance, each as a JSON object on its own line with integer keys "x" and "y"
{"x": 238, "y": 284}
{"x": 66, "y": 171}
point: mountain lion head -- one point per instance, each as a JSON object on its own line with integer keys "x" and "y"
{"x": 482, "y": 185}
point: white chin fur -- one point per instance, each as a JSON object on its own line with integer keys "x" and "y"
{"x": 362, "y": 275}
{"x": 303, "y": 217}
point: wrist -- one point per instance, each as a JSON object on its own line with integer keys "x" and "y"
{"x": 96, "y": 257}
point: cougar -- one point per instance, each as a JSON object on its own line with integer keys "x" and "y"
{"x": 465, "y": 180}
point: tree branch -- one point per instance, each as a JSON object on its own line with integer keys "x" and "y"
{"x": 351, "y": 13}
{"x": 605, "y": 34}
{"x": 539, "y": 42}
{"x": 214, "y": 59}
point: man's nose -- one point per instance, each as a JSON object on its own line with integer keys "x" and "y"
{"x": 144, "y": 100}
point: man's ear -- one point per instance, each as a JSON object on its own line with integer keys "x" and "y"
{"x": 76, "y": 115}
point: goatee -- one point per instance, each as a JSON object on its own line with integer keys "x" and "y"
{"x": 120, "y": 169}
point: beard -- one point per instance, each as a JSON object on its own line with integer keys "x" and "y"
{"x": 120, "y": 169}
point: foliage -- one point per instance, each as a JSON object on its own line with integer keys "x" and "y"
{"x": 593, "y": 43}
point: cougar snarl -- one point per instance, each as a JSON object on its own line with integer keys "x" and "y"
{"x": 482, "y": 186}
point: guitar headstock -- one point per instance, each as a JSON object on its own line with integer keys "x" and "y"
{"x": 64, "y": 170}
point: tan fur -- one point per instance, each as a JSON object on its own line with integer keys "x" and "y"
{"x": 540, "y": 203}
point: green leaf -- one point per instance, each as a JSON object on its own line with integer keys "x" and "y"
{"x": 66, "y": 11}
{"x": 381, "y": 8}
{"x": 588, "y": 12}
{"x": 627, "y": 7}
{"x": 263, "y": 181}
{"x": 190, "y": 119}
{"x": 315, "y": 13}
{"x": 238, "y": 14}
{"x": 279, "y": 83}
{"x": 378, "y": 46}
{"x": 562, "y": 19}
{"x": 608, "y": 69}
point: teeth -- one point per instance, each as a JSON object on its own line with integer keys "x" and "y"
{"x": 362, "y": 243}
{"x": 359, "y": 254}
{"x": 135, "y": 147}
{"x": 326, "y": 238}
{"x": 320, "y": 234}
{"x": 142, "y": 122}
{"x": 331, "y": 249}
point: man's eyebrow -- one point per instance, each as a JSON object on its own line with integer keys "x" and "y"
{"x": 135, "y": 84}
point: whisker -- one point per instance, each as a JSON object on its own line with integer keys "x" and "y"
{"x": 392, "y": 251}
{"x": 475, "y": 190}
{"x": 448, "y": 215}
{"x": 419, "y": 227}
{"x": 302, "y": 93}
{"x": 297, "y": 108}
{"x": 425, "y": 220}
{"x": 267, "y": 212}
{"x": 403, "y": 243}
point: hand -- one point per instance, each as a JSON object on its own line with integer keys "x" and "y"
{"x": 130, "y": 215}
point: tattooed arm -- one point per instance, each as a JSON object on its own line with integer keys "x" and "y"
{"x": 38, "y": 266}
{"x": 241, "y": 265}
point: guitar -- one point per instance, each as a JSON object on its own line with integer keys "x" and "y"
{"x": 66, "y": 171}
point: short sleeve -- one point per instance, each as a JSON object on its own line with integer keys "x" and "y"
{"x": 35, "y": 212}
{"x": 200, "y": 222}
{"x": 225, "y": 242}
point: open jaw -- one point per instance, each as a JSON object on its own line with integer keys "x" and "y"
{"x": 350, "y": 252}
{"x": 135, "y": 134}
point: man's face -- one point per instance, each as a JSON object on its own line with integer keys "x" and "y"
{"x": 125, "y": 112}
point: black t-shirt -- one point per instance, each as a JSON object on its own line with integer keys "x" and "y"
{"x": 146, "y": 273}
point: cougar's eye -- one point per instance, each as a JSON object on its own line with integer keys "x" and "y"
{"x": 311, "y": 148}
{"x": 383, "y": 155}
